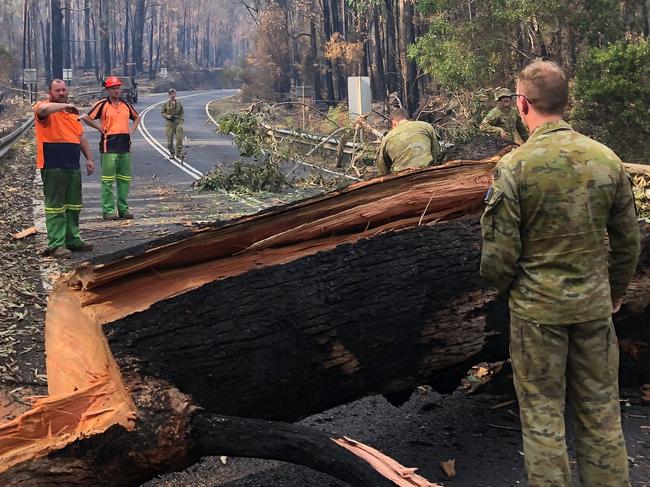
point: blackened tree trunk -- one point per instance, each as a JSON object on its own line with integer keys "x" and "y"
{"x": 125, "y": 38}
{"x": 205, "y": 59}
{"x": 57, "y": 39}
{"x": 104, "y": 36}
{"x": 96, "y": 46}
{"x": 410, "y": 93}
{"x": 45, "y": 41}
{"x": 67, "y": 34}
{"x": 315, "y": 64}
{"x": 138, "y": 36}
{"x": 25, "y": 17}
{"x": 391, "y": 47}
{"x": 329, "y": 69}
{"x": 379, "y": 56}
{"x": 151, "y": 33}
{"x": 88, "y": 53}
{"x": 341, "y": 82}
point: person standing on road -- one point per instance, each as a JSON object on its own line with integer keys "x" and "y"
{"x": 111, "y": 117}
{"x": 504, "y": 120}
{"x": 60, "y": 140}
{"x": 408, "y": 145}
{"x": 561, "y": 239}
{"x": 172, "y": 112}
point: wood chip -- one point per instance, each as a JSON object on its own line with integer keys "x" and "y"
{"x": 449, "y": 467}
{"x": 509, "y": 428}
{"x": 25, "y": 233}
{"x": 504, "y": 404}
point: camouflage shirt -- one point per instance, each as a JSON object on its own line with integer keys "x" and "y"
{"x": 553, "y": 203}
{"x": 508, "y": 120}
{"x": 409, "y": 145}
{"x": 173, "y": 112}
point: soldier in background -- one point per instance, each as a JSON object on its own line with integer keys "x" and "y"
{"x": 172, "y": 111}
{"x": 504, "y": 120}
{"x": 554, "y": 204}
{"x": 408, "y": 145}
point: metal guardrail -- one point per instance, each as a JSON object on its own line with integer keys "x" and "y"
{"x": 8, "y": 141}
{"x": 317, "y": 138}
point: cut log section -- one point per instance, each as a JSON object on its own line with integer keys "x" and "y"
{"x": 198, "y": 344}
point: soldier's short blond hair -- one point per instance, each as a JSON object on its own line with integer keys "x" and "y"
{"x": 399, "y": 114}
{"x": 546, "y": 87}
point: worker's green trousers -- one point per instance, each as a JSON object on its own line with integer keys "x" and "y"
{"x": 578, "y": 362}
{"x": 62, "y": 194}
{"x": 116, "y": 168}
{"x": 174, "y": 130}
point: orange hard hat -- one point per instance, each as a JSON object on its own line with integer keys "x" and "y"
{"x": 112, "y": 81}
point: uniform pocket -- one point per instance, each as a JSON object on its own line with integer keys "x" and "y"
{"x": 529, "y": 351}
{"x": 612, "y": 362}
{"x": 492, "y": 200}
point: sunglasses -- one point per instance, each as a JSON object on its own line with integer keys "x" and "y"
{"x": 524, "y": 97}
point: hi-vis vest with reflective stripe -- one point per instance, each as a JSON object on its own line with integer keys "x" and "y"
{"x": 115, "y": 122}
{"x": 57, "y": 140}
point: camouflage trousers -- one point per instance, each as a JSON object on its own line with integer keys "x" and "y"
{"x": 174, "y": 130}
{"x": 578, "y": 362}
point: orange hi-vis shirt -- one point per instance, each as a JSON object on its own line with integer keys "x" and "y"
{"x": 57, "y": 140}
{"x": 115, "y": 122}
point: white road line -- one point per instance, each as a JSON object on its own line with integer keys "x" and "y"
{"x": 207, "y": 110}
{"x": 146, "y": 135}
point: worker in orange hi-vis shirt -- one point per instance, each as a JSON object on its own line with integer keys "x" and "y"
{"x": 111, "y": 117}
{"x": 60, "y": 141}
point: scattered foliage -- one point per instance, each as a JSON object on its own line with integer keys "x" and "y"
{"x": 244, "y": 176}
{"x": 262, "y": 172}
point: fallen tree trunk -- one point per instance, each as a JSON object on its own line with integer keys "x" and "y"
{"x": 374, "y": 289}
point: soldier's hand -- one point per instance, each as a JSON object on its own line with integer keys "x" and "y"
{"x": 90, "y": 167}
{"x": 503, "y": 134}
{"x": 70, "y": 108}
{"x": 616, "y": 305}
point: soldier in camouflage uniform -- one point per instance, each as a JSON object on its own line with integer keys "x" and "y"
{"x": 172, "y": 111}
{"x": 504, "y": 120}
{"x": 408, "y": 145}
{"x": 556, "y": 204}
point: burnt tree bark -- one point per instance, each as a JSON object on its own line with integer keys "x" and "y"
{"x": 329, "y": 68}
{"x": 88, "y": 53}
{"x": 317, "y": 340}
{"x": 104, "y": 38}
{"x": 57, "y": 39}
{"x": 137, "y": 30}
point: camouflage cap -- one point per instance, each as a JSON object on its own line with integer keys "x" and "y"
{"x": 501, "y": 92}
